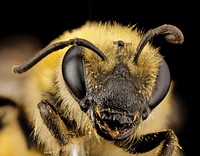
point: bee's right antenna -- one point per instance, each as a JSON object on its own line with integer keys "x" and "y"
{"x": 172, "y": 35}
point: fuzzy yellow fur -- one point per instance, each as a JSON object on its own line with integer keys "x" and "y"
{"x": 102, "y": 35}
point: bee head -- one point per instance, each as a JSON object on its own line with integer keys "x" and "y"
{"x": 118, "y": 104}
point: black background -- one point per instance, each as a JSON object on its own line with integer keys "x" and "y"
{"x": 47, "y": 20}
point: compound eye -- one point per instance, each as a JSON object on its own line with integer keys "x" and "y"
{"x": 73, "y": 71}
{"x": 162, "y": 85}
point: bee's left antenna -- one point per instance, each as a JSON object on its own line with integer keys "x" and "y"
{"x": 52, "y": 48}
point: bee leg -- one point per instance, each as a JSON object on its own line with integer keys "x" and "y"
{"x": 166, "y": 140}
{"x": 54, "y": 124}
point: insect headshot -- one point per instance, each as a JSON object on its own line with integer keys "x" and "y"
{"x": 102, "y": 89}
{"x": 103, "y": 79}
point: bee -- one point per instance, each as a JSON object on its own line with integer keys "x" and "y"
{"x": 102, "y": 89}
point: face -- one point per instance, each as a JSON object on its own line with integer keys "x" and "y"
{"x": 118, "y": 98}
{"x": 117, "y": 106}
